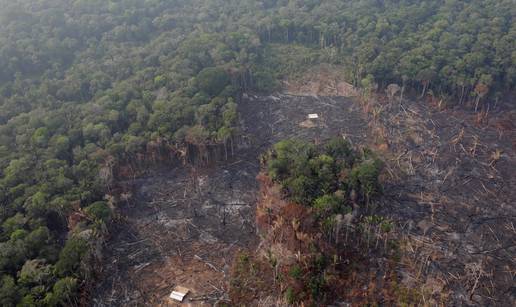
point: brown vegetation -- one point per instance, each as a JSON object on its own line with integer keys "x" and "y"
{"x": 360, "y": 269}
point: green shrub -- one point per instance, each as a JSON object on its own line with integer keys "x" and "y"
{"x": 316, "y": 286}
{"x": 328, "y": 225}
{"x": 290, "y": 295}
{"x": 295, "y": 272}
{"x": 99, "y": 211}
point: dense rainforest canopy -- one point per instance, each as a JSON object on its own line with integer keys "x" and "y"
{"x": 89, "y": 83}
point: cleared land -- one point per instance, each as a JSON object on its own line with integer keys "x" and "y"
{"x": 453, "y": 189}
{"x": 450, "y": 185}
{"x": 184, "y": 224}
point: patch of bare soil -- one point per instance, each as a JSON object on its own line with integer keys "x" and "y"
{"x": 321, "y": 81}
{"x": 184, "y": 225}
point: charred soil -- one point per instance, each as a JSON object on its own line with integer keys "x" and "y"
{"x": 184, "y": 225}
{"x": 452, "y": 186}
{"x": 449, "y": 185}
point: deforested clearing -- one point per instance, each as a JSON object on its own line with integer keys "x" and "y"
{"x": 257, "y": 153}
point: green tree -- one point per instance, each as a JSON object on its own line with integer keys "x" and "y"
{"x": 328, "y": 205}
{"x": 34, "y": 272}
{"x": 364, "y": 178}
{"x": 71, "y": 256}
{"x": 9, "y": 294}
{"x": 63, "y": 293}
{"x": 212, "y": 80}
{"x": 41, "y": 137}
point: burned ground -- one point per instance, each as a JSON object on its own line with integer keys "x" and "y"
{"x": 449, "y": 184}
{"x": 181, "y": 228}
{"x": 184, "y": 225}
{"x": 453, "y": 189}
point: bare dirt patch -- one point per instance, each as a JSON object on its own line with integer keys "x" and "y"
{"x": 322, "y": 80}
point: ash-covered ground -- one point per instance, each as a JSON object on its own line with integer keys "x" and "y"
{"x": 453, "y": 190}
{"x": 184, "y": 224}
{"x": 450, "y": 185}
